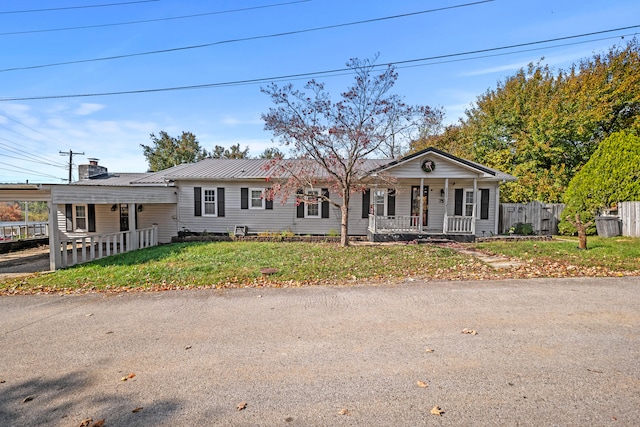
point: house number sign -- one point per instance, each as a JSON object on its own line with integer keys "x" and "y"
{"x": 428, "y": 166}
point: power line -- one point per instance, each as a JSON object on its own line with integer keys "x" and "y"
{"x": 75, "y": 7}
{"x": 114, "y": 24}
{"x": 267, "y": 36}
{"x": 19, "y": 169}
{"x": 326, "y": 72}
{"x": 29, "y": 157}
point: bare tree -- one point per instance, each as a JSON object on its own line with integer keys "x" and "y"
{"x": 332, "y": 142}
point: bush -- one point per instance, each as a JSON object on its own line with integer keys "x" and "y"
{"x": 610, "y": 176}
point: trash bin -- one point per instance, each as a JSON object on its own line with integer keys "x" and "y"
{"x": 608, "y": 226}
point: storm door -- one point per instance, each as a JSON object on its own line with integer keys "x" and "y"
{"x": 415, "y": 203}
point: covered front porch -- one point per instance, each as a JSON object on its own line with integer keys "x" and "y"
{"x": 432, "y": 213}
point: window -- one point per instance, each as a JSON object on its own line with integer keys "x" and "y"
{"x": 81, "y": 218}
{"x": 256, "y": 198}
{"x": 468, "y": 203}
{"x": 209, "y": 201}
{"x": 313, "y": 208}
{"x": 380, "y": 202}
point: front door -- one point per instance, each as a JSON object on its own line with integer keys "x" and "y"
{"x": 415, "y": 203}
{"x": 124, "y": 217}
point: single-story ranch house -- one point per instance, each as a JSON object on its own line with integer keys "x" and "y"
{"x": 435, "y": 194}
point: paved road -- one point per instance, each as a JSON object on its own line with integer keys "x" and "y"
{"x": 546, "y": 352}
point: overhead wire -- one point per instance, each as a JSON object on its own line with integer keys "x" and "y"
{"x": 19, "y": 169}
{"x": 144, "y": 21}
{"x": 75, "y": 7}
{"x": 244, "y": 39}
{"x": 337, "y": 71}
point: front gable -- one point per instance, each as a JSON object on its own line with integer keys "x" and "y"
{"x": 432, "y": 163}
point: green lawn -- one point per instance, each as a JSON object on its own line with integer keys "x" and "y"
{"x": 238, "y": 264}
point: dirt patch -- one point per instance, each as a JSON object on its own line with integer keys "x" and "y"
{"x": 24, "y": 262}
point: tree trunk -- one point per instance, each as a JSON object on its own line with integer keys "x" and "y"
{"x": 582, "y": 231}
{"x": 344, "y": 224}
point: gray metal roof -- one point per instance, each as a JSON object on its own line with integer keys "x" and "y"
{"x": 112, "y": 179}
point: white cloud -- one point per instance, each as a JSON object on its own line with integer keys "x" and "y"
{"x": 86, "y": 108}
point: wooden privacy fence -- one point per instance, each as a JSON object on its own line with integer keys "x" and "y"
{"x": 629, "y": 214}
{"x": 543, "y": 217}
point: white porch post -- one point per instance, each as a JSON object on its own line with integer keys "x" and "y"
{"x": 55, "y": 257}
{"x": 445, "y": 226}
{"x": 133, "y": 227}
{"x": 496, "y": 218}
{"x": 421, "y": 204}
{"x": 475, "y": 206}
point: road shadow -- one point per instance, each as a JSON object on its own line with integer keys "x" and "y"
{"x": 71, "y": 398}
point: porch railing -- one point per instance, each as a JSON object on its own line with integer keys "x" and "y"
{"x": 24, "y": 231}
{"x": 394, "y": 224}
{"x": 460, "y": 224}
{"x": 76, "y": 250}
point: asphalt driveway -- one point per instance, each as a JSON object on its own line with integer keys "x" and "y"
{"x": 560, "y": 352}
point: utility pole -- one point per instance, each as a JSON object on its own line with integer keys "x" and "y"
{"x": 70, "y": 153}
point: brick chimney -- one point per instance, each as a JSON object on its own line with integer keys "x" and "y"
{"x": 92, "y": 170}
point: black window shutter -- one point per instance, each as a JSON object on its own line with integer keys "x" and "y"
{"x": 220, "y": 201}
{"x": 300, "y": 207}
{"x": 458, "y": 204}
{"x": 391, "y": 202}
{"x": 244, "y": 198}
{"x": 268, "y": 203}
{"x": 197, "y": 201}
{"x": 68, "y": 213}
{"x": 366, "y": 201}
{"x": 325, "y": 204}
{"x": 91, "y": 212}
{"x": 484, "y": 203}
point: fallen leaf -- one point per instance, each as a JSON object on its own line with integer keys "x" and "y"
{"x": 128, "y": 377}
{"x": 469, "y": 331}
{"x": 138, "y": 409}
{"x": 437, "y": 411}
{"x": 98, "y": 423}
{"x": 422, "y": 384}
{"x": 2, "y": 381}
{"x": 241, "y": 406}
{"x": 28, "y": 399}
{"x": 188, "y": 347}
{"x": 344, "y": 411}
{"x": 86, "y": 423}
{"x": 429, "y": 350}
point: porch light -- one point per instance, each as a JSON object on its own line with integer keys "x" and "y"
{"x": 442, "y": 192}
{"x": 113, "y": 208}
{"x": 140, "y": 208}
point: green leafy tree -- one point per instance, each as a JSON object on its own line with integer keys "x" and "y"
{"x": 271, "y": 153}
{"x": 233, "y": 152}
{"x": 542, "y": 125}
{"x": 168, "y": 151}
{"x": 611, "y": 175}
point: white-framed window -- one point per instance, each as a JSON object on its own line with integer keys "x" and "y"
{"x": 380, "y": 201}
{"x": 312, "y": 205}
{"x": 469, "y": 203}
{"x": 209, "y": 202}
{"x": 256, "y": 198}
{"x": 80, "y": 217}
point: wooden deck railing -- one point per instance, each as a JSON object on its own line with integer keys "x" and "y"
{"x": 76, "y": 250}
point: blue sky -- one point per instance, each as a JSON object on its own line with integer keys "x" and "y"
{"x": 111, "y": 128}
